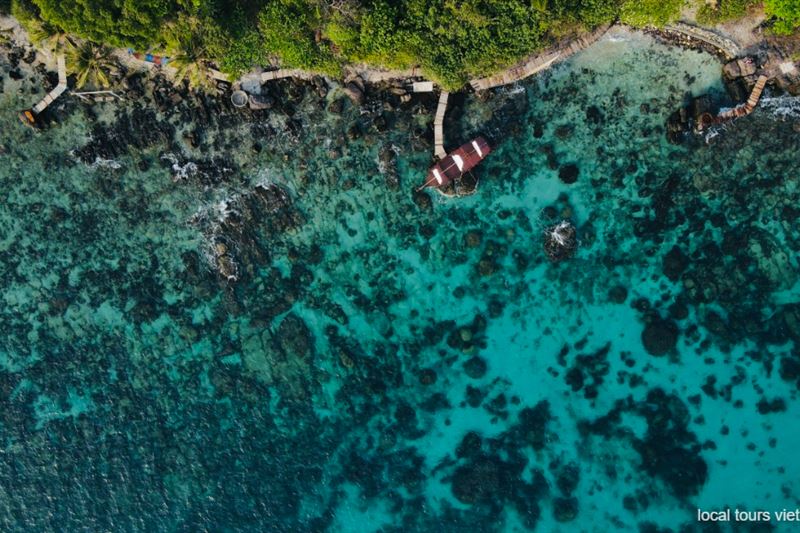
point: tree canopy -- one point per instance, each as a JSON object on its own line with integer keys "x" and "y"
{"x": 452, "y": 40}
{"x": 786, "y": 13}
{"x": 650, "y": 12}
{"x": 116, "y": 22}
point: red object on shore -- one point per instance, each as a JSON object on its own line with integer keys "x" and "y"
{"x": 150, "y": 58}
{"x": 456, "y": 163}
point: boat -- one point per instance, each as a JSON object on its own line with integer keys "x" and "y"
{"x": 457, "y": 163}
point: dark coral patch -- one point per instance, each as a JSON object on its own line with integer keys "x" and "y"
{"x": 569, "y": 173}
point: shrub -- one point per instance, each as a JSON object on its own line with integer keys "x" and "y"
{"x": 657, "y": 13}
{"x": 289, "y": 29}
{"x": 786, "y": 13}
{"x": 726, "y": 10}
{"x": 115, "y": 22}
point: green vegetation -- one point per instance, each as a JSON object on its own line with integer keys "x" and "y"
{"x": 115, "y": 22}
{"x": 291, "y": 29}
{"x": 452, "y": 40}
{"x": 188, "y": 44}
{"x": 786, "y": 13}
{"x": 90, "y": 62}
{"x": 725, "y": 10}
{"x": 650, "y": 12}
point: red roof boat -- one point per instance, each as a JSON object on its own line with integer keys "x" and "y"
{"x": 457, "y": 163}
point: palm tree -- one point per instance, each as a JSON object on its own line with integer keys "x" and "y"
{"x": 49, "y": 38}
{"x": 57, "y": 43}
{"x": 191, "y": 58}
{"x": 91, "y": 63}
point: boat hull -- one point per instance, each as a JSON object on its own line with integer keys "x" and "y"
{"x": 458, "y": 162}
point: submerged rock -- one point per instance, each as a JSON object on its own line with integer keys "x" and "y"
{"x": 484, "y": 480}
{"x": 569, "y": 173}
{"x": 475, "y": 367}
{"x": 560, "y": 241}
{"x": 565, "y": 509}
{"x": 618, "y": 294}
{"x": 660, "y": 336}
{"x": 674, "y": 263}
{"x": 294, "y": 337}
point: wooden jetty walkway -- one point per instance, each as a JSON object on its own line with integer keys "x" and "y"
{"x": 747, "y": 107}
{"x": 706, "y": 120}
{"x": 516, "y": 73}
{"x": 28, "y": 116}
{"x": 438, "y": 126}
{"x": 538, "y": 62}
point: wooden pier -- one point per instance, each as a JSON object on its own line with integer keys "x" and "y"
{"x": 706, "y": 120}
{"x": 438, "y": 126}
{"x": 516, "y": 73}
{"x": 58, "y": 90}
{"x": 747, "y": 107}
{"x": 28, "y": 116}
{"x": 539, "y": 62}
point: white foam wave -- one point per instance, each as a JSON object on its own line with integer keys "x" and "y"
{"x": 105, "y": 163}
{"x": 180, "y": 172}
{"x": 783, "y": 107}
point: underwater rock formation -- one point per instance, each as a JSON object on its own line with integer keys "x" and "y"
{"x": 560, "y": 241}
{"x": 388, "y": 360}
{"x": 659, "y": 336}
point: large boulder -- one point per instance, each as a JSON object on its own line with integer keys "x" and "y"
{"x": 354, "y": 92}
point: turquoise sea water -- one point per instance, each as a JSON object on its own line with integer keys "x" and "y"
{"x": 385, "y": 361}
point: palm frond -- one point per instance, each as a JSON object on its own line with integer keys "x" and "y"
{"x": 190, "y": 57}
{"x": 91, "y": 63}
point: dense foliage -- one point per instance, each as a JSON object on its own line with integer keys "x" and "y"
{"x": 787, "y": 13}
{"x": 452, "y": 40}
{"x": 116, "y": 22}
{"x": 91, "y": 63}
{"x": 650, "y": 12}
{"x": 724, "y": 10}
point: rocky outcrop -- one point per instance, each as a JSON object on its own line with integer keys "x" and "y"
{"x": 354, "y": 90}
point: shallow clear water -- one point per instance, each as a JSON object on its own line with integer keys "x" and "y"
{"x": 384, "y": 364}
